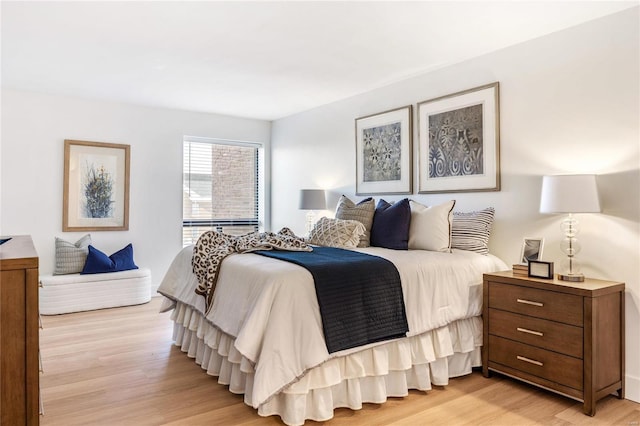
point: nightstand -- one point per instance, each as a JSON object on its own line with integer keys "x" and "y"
{"x": 561, "y": 336}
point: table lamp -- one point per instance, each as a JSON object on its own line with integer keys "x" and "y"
{"x": 570, "y": 194}
{"x": 312, "y": 199}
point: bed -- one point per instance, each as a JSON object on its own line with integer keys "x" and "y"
{"x": 263, "y": 335}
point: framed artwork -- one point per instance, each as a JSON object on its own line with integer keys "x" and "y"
{"x": 459, "y": 146}
{"x": 540, "y": 269}
{"x": 96, "y": 186}
{"x": 531, "y": 250}
{"x": 384, "y": 144}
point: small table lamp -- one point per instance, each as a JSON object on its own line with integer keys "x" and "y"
{"x": 312, "y": 199}
{"x": 570, "y": 194}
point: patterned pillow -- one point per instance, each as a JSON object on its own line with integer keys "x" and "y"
{"x": 430, "y": 227}
{"x": 336, "y": 233}
{"x": 471, "y": 231}
{"x": 390, "y": 228}
{"x": 70, "y": 257}
{"x": 362, "y": 212}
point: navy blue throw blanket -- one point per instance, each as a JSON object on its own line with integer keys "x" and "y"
{"x": 360, "y": 295}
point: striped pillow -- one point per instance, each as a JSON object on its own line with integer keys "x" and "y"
{"x": 70, "y": 257}
{"x": 362, "y": 212}
{"x": 471, "y": 231}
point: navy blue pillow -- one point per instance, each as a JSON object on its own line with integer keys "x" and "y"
{"x": 98, "y": 263}
{"x": 390, "y": 228}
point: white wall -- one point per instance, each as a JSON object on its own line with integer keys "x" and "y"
{"x": 34, "y": 127}
{"x": 569, "y": 104}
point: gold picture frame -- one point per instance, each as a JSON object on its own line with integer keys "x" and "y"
{"x": 96, "y": 186}
{"x": 459, "y": 141}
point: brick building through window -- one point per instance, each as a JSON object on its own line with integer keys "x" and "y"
{"x": 220, "y": 187}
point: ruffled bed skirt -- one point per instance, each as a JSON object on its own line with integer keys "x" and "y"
{"x": 368, "y": 376}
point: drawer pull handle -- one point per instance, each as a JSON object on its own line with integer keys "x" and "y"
{"x": 526, "y": 330}
{"x": 530, "y": 361}
{"x": 529, "y": 302}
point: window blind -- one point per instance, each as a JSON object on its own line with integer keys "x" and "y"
{"x": 220, "y": 187}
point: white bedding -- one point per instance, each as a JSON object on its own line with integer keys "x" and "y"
{"x": 269, "y": 308}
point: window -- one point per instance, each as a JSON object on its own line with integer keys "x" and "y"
{"x": 221, "y": 181}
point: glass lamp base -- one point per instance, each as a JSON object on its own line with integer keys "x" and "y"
{"x": 577, "y": 278}
{"x": 311, "y": 216}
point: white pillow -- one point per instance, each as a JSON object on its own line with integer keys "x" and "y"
{"x": 430, "y": 227}
{"x": 336, "y": 233}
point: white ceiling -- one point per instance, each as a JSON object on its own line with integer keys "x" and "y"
{"x": 260, "y": 59}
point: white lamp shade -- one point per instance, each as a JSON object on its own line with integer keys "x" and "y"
{"x": 312, "y": 199}
{"x": 569, "y": 194}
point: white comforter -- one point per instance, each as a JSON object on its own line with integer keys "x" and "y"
{"x": 270, "y": 306}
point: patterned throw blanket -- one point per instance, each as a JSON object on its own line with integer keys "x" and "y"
{"x": 213, "y": 246}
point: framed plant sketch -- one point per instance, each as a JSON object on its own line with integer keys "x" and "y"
{"x": 384, "y": 144}
{"x": 96, "y": 186}
{"x": 459, "y": 142}
{"x": 531, "y": 250}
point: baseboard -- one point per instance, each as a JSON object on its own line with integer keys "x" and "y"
{"x": 632, "y": 388}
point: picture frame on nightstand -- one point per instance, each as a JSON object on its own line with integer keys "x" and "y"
{"x": 531, "y": 249}
{"x": 540, "y": 269}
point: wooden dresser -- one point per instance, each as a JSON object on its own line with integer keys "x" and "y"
{"x": 19, "y": 372}
{"x": 562, "y": 336}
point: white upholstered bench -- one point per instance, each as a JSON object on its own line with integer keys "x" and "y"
{"x": 61, "y": 294}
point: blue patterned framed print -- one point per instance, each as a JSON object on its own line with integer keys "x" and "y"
{"x": 384, "y": 152}
{"x": 459, "y": 142}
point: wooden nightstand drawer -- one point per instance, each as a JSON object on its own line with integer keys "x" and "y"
{"x": 551, "y": 305}
{"x": 548, "y": 365}
{"x": 563, "y": 336}
{"x": 557, "y": 337}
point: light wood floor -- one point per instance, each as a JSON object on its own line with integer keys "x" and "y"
{"x": 119, "y": 367}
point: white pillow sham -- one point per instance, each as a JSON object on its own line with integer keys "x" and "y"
{"x": 430, "y": 227}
